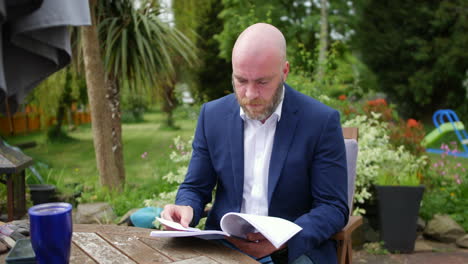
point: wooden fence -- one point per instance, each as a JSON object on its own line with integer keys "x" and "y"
{"x": 23, "y": 123}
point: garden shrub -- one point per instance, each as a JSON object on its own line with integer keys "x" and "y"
{"x": 408, "y": 133}
{"x": 378, "y": 156}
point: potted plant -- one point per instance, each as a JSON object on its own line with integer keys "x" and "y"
{"x": 399, "y": 195}
{"x": 41, "y": 191}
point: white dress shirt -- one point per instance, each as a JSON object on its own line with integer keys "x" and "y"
{"x": 258, "y": 144}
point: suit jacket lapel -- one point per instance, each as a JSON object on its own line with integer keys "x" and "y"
{"x": 236, "y": 145}
{"x": 285, "y": 131}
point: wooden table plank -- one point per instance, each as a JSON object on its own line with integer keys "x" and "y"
{"x": 99, "y": 249}
{"x": 114, "y": 229}
{"x": 222, "y": 254}
{"x": 135, "y": 249}
{"x": 197, "y": 260}
{"x": 77, "y": 256}
{"x": 177, "y": 249}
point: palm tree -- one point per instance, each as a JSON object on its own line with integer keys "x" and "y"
{"x": 138, "y": 54}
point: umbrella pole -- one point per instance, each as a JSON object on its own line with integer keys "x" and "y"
{"x": 10, "y": 118}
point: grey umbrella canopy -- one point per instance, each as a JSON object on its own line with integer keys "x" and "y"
{"x": 34, "y": 43}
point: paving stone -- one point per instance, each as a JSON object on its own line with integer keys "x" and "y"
{"x": 443, "y": 228}
{"x": 463, "y": 241}
{"x": 94, "y": 213}
{"x": 422, "y": 246}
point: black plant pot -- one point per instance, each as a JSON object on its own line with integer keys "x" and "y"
{"x": 398, "y": 216}
{"x": 42, "y": 193}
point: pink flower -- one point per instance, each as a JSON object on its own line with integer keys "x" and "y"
{"x": 458, "y": 181}
{"x": 143, "y": 156}
{"x": 459, "y": 164}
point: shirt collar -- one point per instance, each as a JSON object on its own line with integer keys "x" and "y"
{"x": 277, "y": 111}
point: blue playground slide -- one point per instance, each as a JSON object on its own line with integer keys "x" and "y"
{"x": 445, "y": 121}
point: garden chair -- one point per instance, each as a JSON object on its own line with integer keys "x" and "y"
{"x": 343, "y": 238}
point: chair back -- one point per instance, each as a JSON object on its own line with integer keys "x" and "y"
{"x": 351, "y": 135}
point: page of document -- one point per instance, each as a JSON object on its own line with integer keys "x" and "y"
{"x": 186, "y": 231}
{"x": 175, "y": 225}
{"x": 276, "y": 230}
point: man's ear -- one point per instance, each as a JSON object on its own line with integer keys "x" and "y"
{"x": 285, "y": 70}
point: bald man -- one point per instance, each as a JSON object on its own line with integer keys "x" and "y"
{"x": 269, "y": 150}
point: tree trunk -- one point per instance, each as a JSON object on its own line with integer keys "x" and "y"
{"x": 169, "y": 102}
{"x": 323, "y": 39}
{"x": 105, "y": 116}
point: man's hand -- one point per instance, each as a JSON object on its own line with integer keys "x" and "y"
{"x": 181, "y": 214}
{"x": 255, "y": 245}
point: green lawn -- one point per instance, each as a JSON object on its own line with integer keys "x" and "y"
{"x": 74, "y": 162}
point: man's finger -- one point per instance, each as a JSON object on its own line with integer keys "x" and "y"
{"x": 185, "y": 221}
{"x": 254, "y": 237}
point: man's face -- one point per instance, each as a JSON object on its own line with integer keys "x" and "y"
{"x": 259, "y": 108}
{"x": 258, "y": 85}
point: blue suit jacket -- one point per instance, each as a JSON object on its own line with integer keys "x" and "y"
{"x": 307, "y": 181}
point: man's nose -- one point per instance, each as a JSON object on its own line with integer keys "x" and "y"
{"x": 251, "y": 91}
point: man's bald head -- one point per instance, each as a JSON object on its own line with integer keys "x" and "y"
{"x": 259, "y": 70}
{"x": 259, "y": 39}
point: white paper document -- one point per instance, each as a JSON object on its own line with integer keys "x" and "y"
{"x": 277, "y": 230}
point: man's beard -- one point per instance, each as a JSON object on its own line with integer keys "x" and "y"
{"x": 270, "y": 107}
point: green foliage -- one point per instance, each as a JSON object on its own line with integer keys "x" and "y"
{"x": 446, "y": 188}
{"x": 237, "y": 15}
{"x": 418, "y": 52}
{"x": 123, "y": 201}
{"x": 298, "y": 20}
{"x": 376, "y": 248}
{"x": 134, "y": 106}
{"x": 180, "y": 158}
{"x": 187, "y": 16}
{"x": 343, "y": 74}
{"x": 214, "y": 73}
{"x": 48, "y": 96}
{"x": 393, "y": 176}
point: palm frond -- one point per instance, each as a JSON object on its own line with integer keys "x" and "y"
{"x": 138, "y": 47}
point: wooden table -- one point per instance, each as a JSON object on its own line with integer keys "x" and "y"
{"x": 122, "y": 244}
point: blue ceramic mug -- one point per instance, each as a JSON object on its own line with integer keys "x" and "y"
{"x": 51, "y": 232}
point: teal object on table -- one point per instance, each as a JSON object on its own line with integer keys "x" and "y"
{"x": 22, "y": 253}
{"x": 145, "y": 217}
